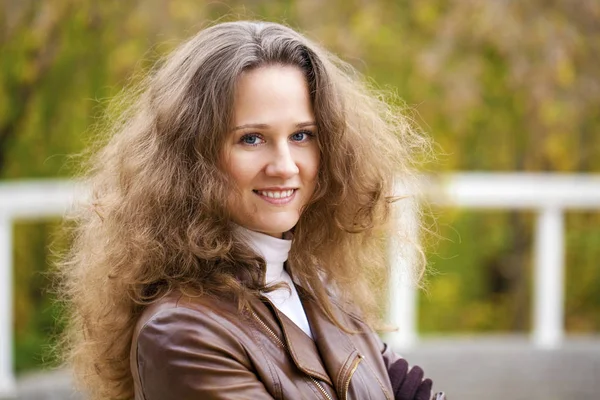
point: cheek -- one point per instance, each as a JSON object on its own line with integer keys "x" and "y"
{"x": 311, "y": 166}
{"x": 239, "y": 179}
{"x": 239, "y": 172}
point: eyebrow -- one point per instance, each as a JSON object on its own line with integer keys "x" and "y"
{"x": 266, "y": 126}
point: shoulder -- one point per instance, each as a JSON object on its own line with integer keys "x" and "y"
{"x": 178, "y": 307}
{"x": 178, "y": 323}
{"x": 178, "y": 313}
{"x": 347, "y": 314}
{"x": 183, "y": 347}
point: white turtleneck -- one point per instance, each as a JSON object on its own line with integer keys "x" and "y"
{"x": 275, "y": 253}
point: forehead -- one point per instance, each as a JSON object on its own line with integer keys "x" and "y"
{"x": 272, "y": 94}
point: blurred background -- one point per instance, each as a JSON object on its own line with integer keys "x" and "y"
{"x": 501, "y": 86}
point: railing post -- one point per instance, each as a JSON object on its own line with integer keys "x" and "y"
{"x": 402, "y": 312}
{"x": 7, "y": 378}
{"x": 548, "y": 318}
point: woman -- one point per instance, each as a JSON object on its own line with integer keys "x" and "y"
{"x": 234, "y": 242}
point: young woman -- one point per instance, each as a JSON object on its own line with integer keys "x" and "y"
{"x": 234, "y": 242}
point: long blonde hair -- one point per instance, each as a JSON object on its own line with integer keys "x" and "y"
{"x": 156, "y": 221}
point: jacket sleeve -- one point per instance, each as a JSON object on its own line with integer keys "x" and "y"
{"x": 186, "y": 355}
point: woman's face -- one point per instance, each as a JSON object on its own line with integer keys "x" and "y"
{"x": 271, "y": 154}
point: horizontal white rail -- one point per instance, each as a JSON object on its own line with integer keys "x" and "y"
{"x": 548, "y": 194}
{"x": 36, "y": 199}
{"x": 515, "y": 191}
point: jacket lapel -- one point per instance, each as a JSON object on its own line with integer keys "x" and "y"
{"x": 301, "y": 347}
{"x": 337, "y": 350}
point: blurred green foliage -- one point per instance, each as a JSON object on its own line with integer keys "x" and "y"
{"x": 501, "y": 86}
{"x": 37, "y": 322}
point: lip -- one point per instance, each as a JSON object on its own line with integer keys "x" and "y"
{"x": 274, "y": 201}
{"x": 276, "y": 188}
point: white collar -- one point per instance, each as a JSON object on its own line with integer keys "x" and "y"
{"x": 274, "y": 251}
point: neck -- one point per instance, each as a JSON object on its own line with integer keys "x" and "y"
{"x": 275, "y": 235}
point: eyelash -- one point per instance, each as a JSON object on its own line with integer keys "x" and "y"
{"x": 247, "y": 135}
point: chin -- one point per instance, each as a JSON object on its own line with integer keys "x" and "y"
{"x": 277, "y": 228}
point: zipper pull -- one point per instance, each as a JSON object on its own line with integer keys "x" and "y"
{"x": 357, "y": 361}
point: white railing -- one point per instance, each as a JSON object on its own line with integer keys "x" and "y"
{"x": 548, "y": 194}
{"x": 21, "y": 200}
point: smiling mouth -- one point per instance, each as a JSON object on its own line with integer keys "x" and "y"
{"x": 277, "y": 197}
{"x": 276, "y": 194}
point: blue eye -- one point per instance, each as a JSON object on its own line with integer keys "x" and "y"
{"x": 251, "y": 139}
{"x": 302, "y": 136}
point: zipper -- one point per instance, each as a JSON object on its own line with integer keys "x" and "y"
{"x": 321, "y": 388}
{"x": 280, "y": 343}
{"x": 349, "y": 378}
{"x": 269, "y": 330}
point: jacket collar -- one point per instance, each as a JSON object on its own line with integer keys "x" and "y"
{"x": 329, "y": 356}
{"x": 303, "y": 350}
{"x": 336, "y": 348}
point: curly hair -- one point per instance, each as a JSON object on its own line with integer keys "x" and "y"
{"x": 156, "y": 220}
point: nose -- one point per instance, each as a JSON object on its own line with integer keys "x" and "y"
{"x": 282, "y": 163}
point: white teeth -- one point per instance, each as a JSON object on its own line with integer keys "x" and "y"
{"x": 277, "y": 195}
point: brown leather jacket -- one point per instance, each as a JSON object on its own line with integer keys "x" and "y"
{"x": 197, "y": 348}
